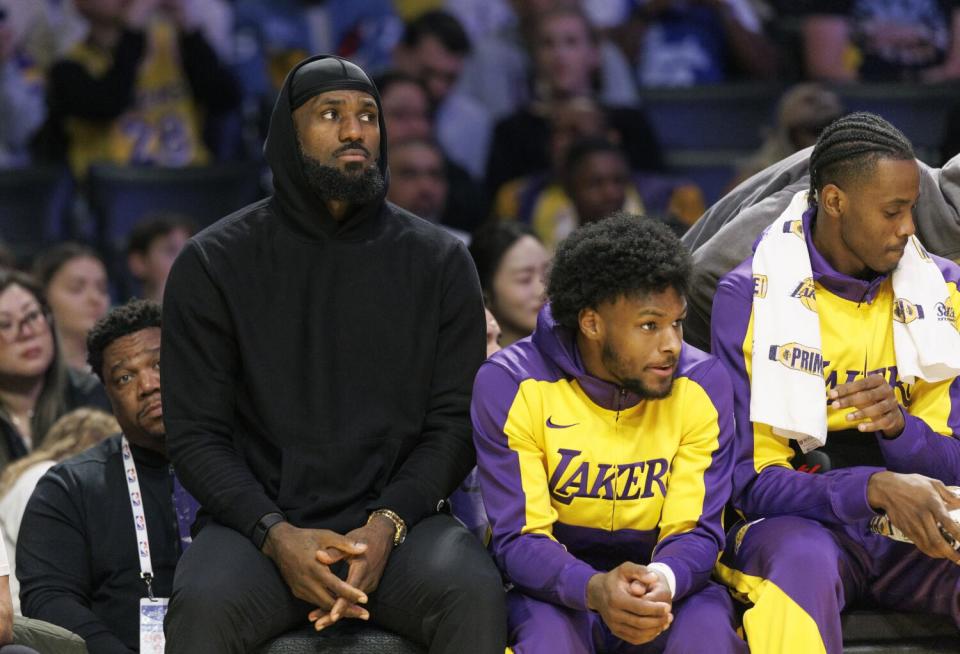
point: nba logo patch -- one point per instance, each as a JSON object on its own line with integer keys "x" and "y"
{"x": 794, "y": 227}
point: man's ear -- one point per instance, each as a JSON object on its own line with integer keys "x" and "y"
{"x": 591, "y": 324}
{"x": 832, "y": 200}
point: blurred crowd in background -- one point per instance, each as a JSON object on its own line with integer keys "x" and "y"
{"x": 126, "y": 125}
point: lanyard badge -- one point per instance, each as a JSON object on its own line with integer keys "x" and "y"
{"x": 152, "y": 609}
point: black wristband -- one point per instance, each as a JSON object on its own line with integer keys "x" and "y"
{"x": 262, "y": 528}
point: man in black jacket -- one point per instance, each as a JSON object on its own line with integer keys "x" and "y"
{"x": 99, "y": 521}
{"x": 319, "y": 355}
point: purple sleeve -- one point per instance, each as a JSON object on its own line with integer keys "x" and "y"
{"x": 837, "y": 496}
{"x": 510, "y": 478}
{"x": 707, "y": 453}
{"x": 930, "y": 442}
{"x": 921, "y": 450}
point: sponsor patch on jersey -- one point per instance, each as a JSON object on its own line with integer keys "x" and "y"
{"x": 806, "y": 294}
{"x": 945, "y": 311}
{"x": 796, "y": 356}
{"x": 760, "y": 286}
{"x": 906, "y": 311}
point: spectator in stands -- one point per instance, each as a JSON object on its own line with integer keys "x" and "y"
{"x": 512, "y": 264}
{"x": 878, "y": 41}
{"x": 418, "y": 182}
{"x": 840, "y": 279}
{"x": 589, "y": 169}
{"x": 407, "y": 112}
{"x": 802, "y": 113}
{"x": 566, "y": 56}
{"x": 74, "y": 280}
{"x": 500, "y": 72}
{"x": 688, "y": 42}
{"x": 433, "y": 49}
{"x": 73, "y": 433}
{"x": 544, "y": 201}
{"x": 154, "y": 244}
{"x": 103, "y": 530}
{"x": 602, "y": 561}
{"x": 138, "y": 90}
{"x": 36, "y": 388}
{"x": 406, "y": 106}
{"x": 301, "y": 427}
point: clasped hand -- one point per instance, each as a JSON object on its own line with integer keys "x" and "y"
{"x": 305, "y": 556}
{"x": 634, "y": 602}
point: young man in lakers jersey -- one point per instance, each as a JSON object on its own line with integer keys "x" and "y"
{"x": 840, "y": 334}
{"x": 604, "y": 456}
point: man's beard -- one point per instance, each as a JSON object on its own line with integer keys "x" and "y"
{"x": 357, "y": 187}
{"x": 614, "y": 365}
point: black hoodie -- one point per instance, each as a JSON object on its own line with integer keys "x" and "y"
{"x": 315, "y": 367}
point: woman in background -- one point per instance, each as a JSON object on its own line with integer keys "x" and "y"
{"x": 35, "y": 386}
{"x": 511, "y": 263}
{"x": 74, "y": 281}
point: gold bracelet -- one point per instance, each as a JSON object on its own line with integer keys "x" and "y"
{"x": 399, "y": 526}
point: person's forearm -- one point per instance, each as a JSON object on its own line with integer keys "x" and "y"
{"x": 835, "y": 497}
{"x": 919, "y": 449}
{"x": 212, "y": 83}
{"x": 65, "y": 611}
{"x": 73, "y": 91}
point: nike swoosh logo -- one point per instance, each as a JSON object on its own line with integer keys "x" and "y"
{"x": 553, "y": 425}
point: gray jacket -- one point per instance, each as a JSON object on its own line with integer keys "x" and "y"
{"x": 725, "y": 235}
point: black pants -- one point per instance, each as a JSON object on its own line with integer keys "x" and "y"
{"x": 439, "y": 588}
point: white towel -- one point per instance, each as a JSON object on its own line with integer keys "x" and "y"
{"x": 787, "y": 387}
{"x": 925, "y": 339}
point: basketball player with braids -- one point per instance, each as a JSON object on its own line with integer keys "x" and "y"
{"x": 840, "y": 334}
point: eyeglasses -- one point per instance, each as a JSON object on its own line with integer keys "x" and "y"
{"x": 35, "y": 320}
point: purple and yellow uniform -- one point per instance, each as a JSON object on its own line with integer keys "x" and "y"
{"x": 813, "y": 554}
{"x": 579, "y": 476}
{"x": 161, "y": 126}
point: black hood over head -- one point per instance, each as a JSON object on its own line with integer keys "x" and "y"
{"x": 293, "y": 199}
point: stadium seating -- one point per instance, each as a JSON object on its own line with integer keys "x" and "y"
{"x": 35, "y": 210}
{"x": 707, "y": 131}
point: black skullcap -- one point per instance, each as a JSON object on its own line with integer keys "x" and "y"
{"x": 328, "y": 74}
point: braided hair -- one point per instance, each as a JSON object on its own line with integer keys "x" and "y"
{"x": 849, "y": 147}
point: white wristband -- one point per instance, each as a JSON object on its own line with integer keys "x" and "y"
{"x": 668, "y": 573}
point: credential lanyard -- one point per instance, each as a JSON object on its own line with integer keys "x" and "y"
{"x": 139, "y": 518}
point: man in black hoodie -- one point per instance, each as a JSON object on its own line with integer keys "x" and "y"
{"x": 319, "y": 353}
